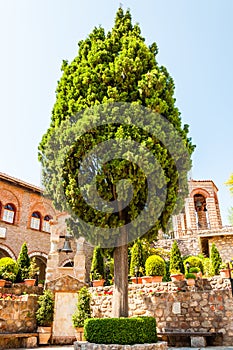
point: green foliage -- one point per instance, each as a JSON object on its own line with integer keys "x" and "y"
{"x": 167, "y": 276}
{"x": 44, "y": 314}
{"x": 194, "y": 269}
{"x": 215, "y": 260}
{"x": 33, "y": 268}
{"x": 176, "y": 263}
{"x": 137, "y": 259}
{"x": 194, "y": 261}
{"x": 155, "y": 266}
{"x": 207, "y": 267}
{"x": 23, "y": 263}
{"x": 190, "y": 275}
{"x": 8, "y": 269}
{"x": 113, "y": 67}
{"x": 97, "y": 265}
{"x": 135, "y": 330}
{"x": 83, "y": 309}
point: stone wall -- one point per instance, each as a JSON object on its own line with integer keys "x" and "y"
{"x": 224, "y": 245}
{"x": 187, "y": 246}
{"x": 18, "y": 315}
{"x": 206, "y": 307}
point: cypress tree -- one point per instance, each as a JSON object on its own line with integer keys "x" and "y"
{"x": 114, "y": 67}
{"x": 23, "y": 263}
{"x": 97, "y": 265}
{"x": 215, "y": 260}
{"x": 137, "y": 259}
{"x": 176, "y": 263}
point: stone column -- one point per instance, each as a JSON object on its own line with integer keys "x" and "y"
{"x": 80, "y": 261}
{"x": 53, "y": 257}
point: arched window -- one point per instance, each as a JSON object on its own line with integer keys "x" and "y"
{"x": 46, "y": 225}
{"x": 35, "y": 220}
{"x": 9, "y": 213}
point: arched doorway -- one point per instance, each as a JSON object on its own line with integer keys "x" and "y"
{"x": 201, "y": 211}
{"x": 41, "y": 262}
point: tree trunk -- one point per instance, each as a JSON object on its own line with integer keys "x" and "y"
{"x": 120, "y": 255}
{"x": 120, "y": 292}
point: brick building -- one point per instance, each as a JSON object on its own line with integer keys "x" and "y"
{"x": 24, "y": 217}
{"x": 199, "y": 225}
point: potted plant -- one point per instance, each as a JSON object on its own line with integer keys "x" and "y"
{"x": 155, "y": 269}
{"x": 9, "y": 270}
{"x": 190, "y": 277}
{"x": 82, "y": 312}
{"x": 2, "y": 279}
{"x": 97, "y": 268}
{"x": 137, "y": 262}
{"x": 224, "y": 271}
{"x": 32, "y": 270}
{"x": 44, "y": 316}
{"x": 41, "y": 283}
{"x": 195, "y": 270}
{"x": 176, "y": 264}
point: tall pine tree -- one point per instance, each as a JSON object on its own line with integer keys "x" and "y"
{"x": 110, "y": 68}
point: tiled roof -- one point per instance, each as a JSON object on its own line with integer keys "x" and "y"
{"x": 21, "y": 183}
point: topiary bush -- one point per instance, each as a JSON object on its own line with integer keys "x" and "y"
{"x": 176, "y": 263}
{"x": 125, "y": 331}
{"x": 83, "y": 309}
{"x": 97, "y": 264}
{"x": 215, "y": 260}
{"x": 190, "y": 276}
{"x": 194, "y": 261}
{"x": 137, "y": 259}
{"x": 8, "y": 269}
{"x": 155, "y": 266}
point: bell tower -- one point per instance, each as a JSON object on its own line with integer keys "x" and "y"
{"x": 201, "y": 211}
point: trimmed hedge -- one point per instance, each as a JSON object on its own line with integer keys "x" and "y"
{"x": 125, "y": 331}
{"x": 155, "y": 266}
{"x": 194, "y": 261}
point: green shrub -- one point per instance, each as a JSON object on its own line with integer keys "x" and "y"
{"x": 135, "y": 330}
{"x": 215, "y": 260}
{"x": 194, "y": 261}
{"x": 23, "y": 263}
{"x": 8, "y": 269}
{"x": 155, "y": 266}
{"x": 97, "y": 264}
{"x": 176, "y": 263}
{"x": 190, "y": 275}
{"x": 207, "y": 267}
{"x": 44, "y": 314}
{"x": 167, "y": 276}
{"x": 137, "y": 259}
{"x": 83, "y": 309}
{"x": 194, "y": 269}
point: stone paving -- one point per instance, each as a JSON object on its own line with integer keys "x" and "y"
{"x": 69, "y": 347}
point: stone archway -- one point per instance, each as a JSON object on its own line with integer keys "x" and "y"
{"x": 6, "y": 252}
{"x": 41, "y": 262}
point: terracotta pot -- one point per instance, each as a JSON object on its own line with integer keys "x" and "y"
{"x": 30, "y": 281}
{"x": 190, "y": 281}
{"x": 136, "y": 280}
{"x": 44, "y": 334}
{"x": 225, "y": 273}
{"x": 146, "y": 279}
{"x": 156, "y": 279}
{"x": 79, "y": 333}
{"x": 2, "y": 283}
{"x": 177, "y": 277}
{"x": 98, "y": 283}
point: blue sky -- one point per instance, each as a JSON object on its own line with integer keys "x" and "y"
{"x": 195, "y": 44}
